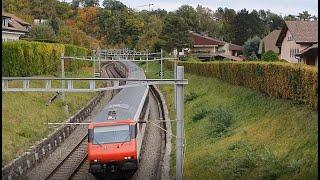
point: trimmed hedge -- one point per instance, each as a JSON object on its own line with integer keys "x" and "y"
{"x": 72, "y": 50}
{"x": 281, "y": 80}
{"x": 23, "y": 58}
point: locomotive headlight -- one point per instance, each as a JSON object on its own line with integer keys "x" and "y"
{"x": 127, "y": 157}
{"x": 95, "y": 160}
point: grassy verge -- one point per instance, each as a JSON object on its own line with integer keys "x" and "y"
{"x": 233, "y": 132}
{"x": 24, "y": 115}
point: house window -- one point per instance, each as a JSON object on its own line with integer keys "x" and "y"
{"x": 290, "y": 38}
{"x": 4, "y": 22}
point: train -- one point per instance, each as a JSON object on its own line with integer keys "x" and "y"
{"x": 115, "y": 134}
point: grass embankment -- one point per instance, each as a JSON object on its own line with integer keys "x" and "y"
{"x": 24, "y": 115}
{"x": 233, "y": 132}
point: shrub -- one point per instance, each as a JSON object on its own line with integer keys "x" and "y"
{"x": 251, "y": 46}
{"x": 269, "y": 56}
{"x": 191, "y": 96}
{"x": 220, "y": 119}
{"x": 42, "y": 31}
{"x": 252, "y": 57}
{"x": 200, "y": 114}
{"x": 23, "y": 58}
{"x": 281, "y": 80}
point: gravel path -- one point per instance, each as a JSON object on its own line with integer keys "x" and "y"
{"x": 152, "y": 146}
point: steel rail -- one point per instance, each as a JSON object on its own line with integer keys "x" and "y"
{"x": 51, "y": 175}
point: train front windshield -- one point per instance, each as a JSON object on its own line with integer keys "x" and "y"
{"x": 111, "y": 134}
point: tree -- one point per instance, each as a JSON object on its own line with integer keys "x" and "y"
{"x": 190, "y": 16}
{"x": 175, "y": 32}
{"x": 114, "y": 5}
{"x": 91, "y": 3}
{"x": 42, "y": 31}
{"x": 305, "y": 16}
{"x": 64, "y": 10}
{"x": 251, "y": 46}
{"x": 248, "y": 25}
{"x": 75, "y": 4}
{"x": 228, "y": 19}
{"x": 55, "y": 23}
{"x": 43, "y": 9}
{"x": 290, "y": 18}
{"x": 151, "y": 33}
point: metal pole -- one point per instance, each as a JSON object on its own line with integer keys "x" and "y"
{"x": 147, "y": 59}
{"x": 180, "y": 124}
{"x": 63, "y": 96}
{"x": 99, "y": 65}
{"x": 175, "y": 88}
{"x": 161, "y": 69}
{"x": 94, "y": 66}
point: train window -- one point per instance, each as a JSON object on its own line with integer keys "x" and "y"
{"x": 136, "y": 130}
{"x": 140, "y": 127}
{"x": 90, "y": 135}
{"x": 111, "y": 134}
{"x": 111, "y": 115}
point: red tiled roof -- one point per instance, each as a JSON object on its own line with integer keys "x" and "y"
{"x": 200, "y": 40}
{"x": 302, "y": 31}
{"x": 204, "y": 40}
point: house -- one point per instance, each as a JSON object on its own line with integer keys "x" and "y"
{"x": 13, "y": 27}
{"x": 309, "y": 55}
{"x": 268, "y": 43}
{"x": 40, "y": 21}
{"x": 205, "y": 47}
{"x": 297, "y": 37}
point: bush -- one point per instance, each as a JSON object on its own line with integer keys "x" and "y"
{"x": 220, "y": 119}
{"x": 269, "y": 56}
{"x": 200, "y": 114}
{"x": 252, "y": 57}
{"x": 251, "y": 46}
{"x": 23, "y": 58}
{"x": 191, "y": 96}
{"x": 42, "y": 31}
{"x": 281, "y": 80}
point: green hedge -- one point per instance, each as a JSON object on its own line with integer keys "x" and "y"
{"x": 72, "y": 50}
{"x": 23, "y": 58}
{"x": 282, "y": 80}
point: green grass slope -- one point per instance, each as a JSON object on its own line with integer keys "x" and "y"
{"x": 233, "y": 132}
{"x": 25, "y": 116}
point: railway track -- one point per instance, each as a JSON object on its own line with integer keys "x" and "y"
{"x": 72, "y": 162}
{"x": 75, "y": 165}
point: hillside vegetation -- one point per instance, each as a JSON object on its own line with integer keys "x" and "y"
{"x": 233, "y": 132}
{"x": 25, "y": 115}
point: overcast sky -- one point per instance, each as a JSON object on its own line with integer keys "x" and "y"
{"x": 283, "y": 7}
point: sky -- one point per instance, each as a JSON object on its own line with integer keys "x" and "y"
{"x": 281, "y": 7}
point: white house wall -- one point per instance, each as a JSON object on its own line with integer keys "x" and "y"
{"x": 8, "y": 36}
{"x": 287, "y": 45}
